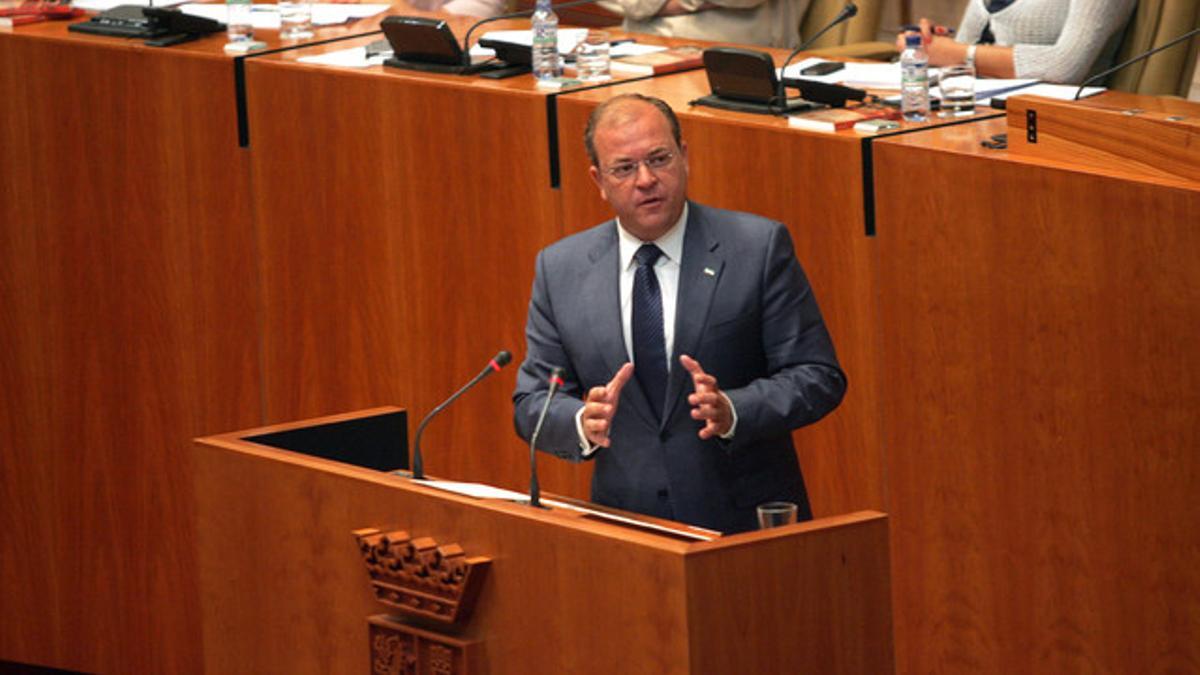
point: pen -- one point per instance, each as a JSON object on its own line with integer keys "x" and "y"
{"x": 936, "y": 30}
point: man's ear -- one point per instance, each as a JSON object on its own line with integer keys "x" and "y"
{"x": 598, "y": 179}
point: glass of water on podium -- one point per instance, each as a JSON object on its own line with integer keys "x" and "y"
{"x": 776, "y": 514}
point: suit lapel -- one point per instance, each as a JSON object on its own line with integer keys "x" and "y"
{"x": 602, "y": 290}
{"x": 699, "y": 273}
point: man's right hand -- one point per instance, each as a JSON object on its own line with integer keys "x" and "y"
{"x": 601, "y": 405}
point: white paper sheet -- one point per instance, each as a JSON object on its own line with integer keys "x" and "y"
{"x": 568, "y": 39}
{"x": 103, "y": 5}
{"x": 1062, "y": 92}
{"x": 858, "y": 75}
{"x": 477, "y": 490}
{"x": 266, "y": 16}
{"x": 355, "y": 57}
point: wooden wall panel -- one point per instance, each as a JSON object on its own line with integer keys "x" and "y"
{"x": 811, "y": 182}
{"x": 127, "y": 327}
{"x": 400, "y": 218}
{"x": 1041, "y": 383}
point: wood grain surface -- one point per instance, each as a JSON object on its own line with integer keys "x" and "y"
{"x": 285, "y": 589}
{"x": 1040, "y": 394}
{"x": 399, "y": 218}
{"x": 129, "y": 300}
{"x": 1158, "y": 144}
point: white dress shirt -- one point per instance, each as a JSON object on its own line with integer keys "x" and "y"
{"x": 666, "y": 268}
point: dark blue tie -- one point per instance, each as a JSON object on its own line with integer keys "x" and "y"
{"x": 649, "y": 346}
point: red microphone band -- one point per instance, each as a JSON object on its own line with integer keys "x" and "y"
{"x": 554, "y": 379}
{"x": 494, "y": 366}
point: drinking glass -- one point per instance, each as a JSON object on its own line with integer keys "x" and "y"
{"x": 295, "y": 20}
{"x": 592, "y": 57}
{"x": 958, "y": 90}
{"x": 776, "y": 514}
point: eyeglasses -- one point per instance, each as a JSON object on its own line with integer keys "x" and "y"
{"x": 655, "y": 163}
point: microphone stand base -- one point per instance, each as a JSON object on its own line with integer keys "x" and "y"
{"x": 444, "y": 68}
{"x": 792, "y": 105}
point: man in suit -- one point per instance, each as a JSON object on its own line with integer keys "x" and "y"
{"x": 691, "y": 340}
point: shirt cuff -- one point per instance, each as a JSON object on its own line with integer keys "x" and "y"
{"x": 586, "y": 449}
{"x": 728, "y": 436}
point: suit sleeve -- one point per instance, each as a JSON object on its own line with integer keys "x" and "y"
{"x": 804, "y": 381}
{"x": 544, "y": 351}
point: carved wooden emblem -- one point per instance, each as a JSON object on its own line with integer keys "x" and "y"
{"x": 420, "y": 578}
{"x": 400, "y": 649}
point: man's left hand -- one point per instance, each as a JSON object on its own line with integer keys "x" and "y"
{"x": 708, "y": 403}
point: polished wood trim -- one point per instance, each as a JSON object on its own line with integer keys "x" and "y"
{"x": 1039, "y": 363}
{"x": 1159, "y": 144}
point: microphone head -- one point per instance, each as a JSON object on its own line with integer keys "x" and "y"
{"x": 503, "y": 358}
{"x": 850, "y": 9}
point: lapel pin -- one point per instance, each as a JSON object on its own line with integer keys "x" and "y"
{"x": 709, "y": 271}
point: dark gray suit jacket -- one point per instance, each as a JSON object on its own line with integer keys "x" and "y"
{"x": 744, "y": 311}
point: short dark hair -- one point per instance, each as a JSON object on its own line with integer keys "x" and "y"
{"x": 597, "y": 116}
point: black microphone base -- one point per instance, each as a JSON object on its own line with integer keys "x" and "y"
{"x": 529, "y": 502}
{"x": 444, "y": 68}
{"x": 792, "y": 105}
{"x": 833, "y": 95}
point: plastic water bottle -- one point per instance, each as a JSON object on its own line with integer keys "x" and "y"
{"x": 914, "y": 79}
{"x": 546, "y": 63}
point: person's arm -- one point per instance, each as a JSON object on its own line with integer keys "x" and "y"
{"x": 990, "y": 60}
{"x": 1088, "y": 27}
{"x": 805, "y": 381}
{"x": 544, "y": 351}
{"x": 479, "y": 8}
{"x": 640, "y": 10}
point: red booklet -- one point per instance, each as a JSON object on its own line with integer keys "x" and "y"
{"x": 837, "y": 119}
{"x": 657, "y": 63}
{"x": 35, "y": 12}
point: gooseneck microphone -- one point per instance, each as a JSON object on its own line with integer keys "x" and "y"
{"x": 499, "y": 361}
{"x": 556, "y": 381}
{"x": 1099, "y": 76}
{"x": 510, "y": 15}
{"x": 848, "y": 11}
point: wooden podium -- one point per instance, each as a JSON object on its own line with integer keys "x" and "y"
{"x": 283, "y": 535}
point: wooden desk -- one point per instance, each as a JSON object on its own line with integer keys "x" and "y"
{"x": 130, "y": 300}
{"x": 1042, "y": 377}
{"x": 127, "y": 280}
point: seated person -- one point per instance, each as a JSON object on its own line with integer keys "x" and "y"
{"x": 479, "y": 8}
{"x": 768, "y": 23}
{"x": 1052, "y": 40}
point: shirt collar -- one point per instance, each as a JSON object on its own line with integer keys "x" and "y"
{"x": 671, "y": 243}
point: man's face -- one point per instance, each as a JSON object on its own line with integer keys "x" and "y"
{"x": 649, "y": 199}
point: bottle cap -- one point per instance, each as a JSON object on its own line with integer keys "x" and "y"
{"x": 912, "y": 40}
